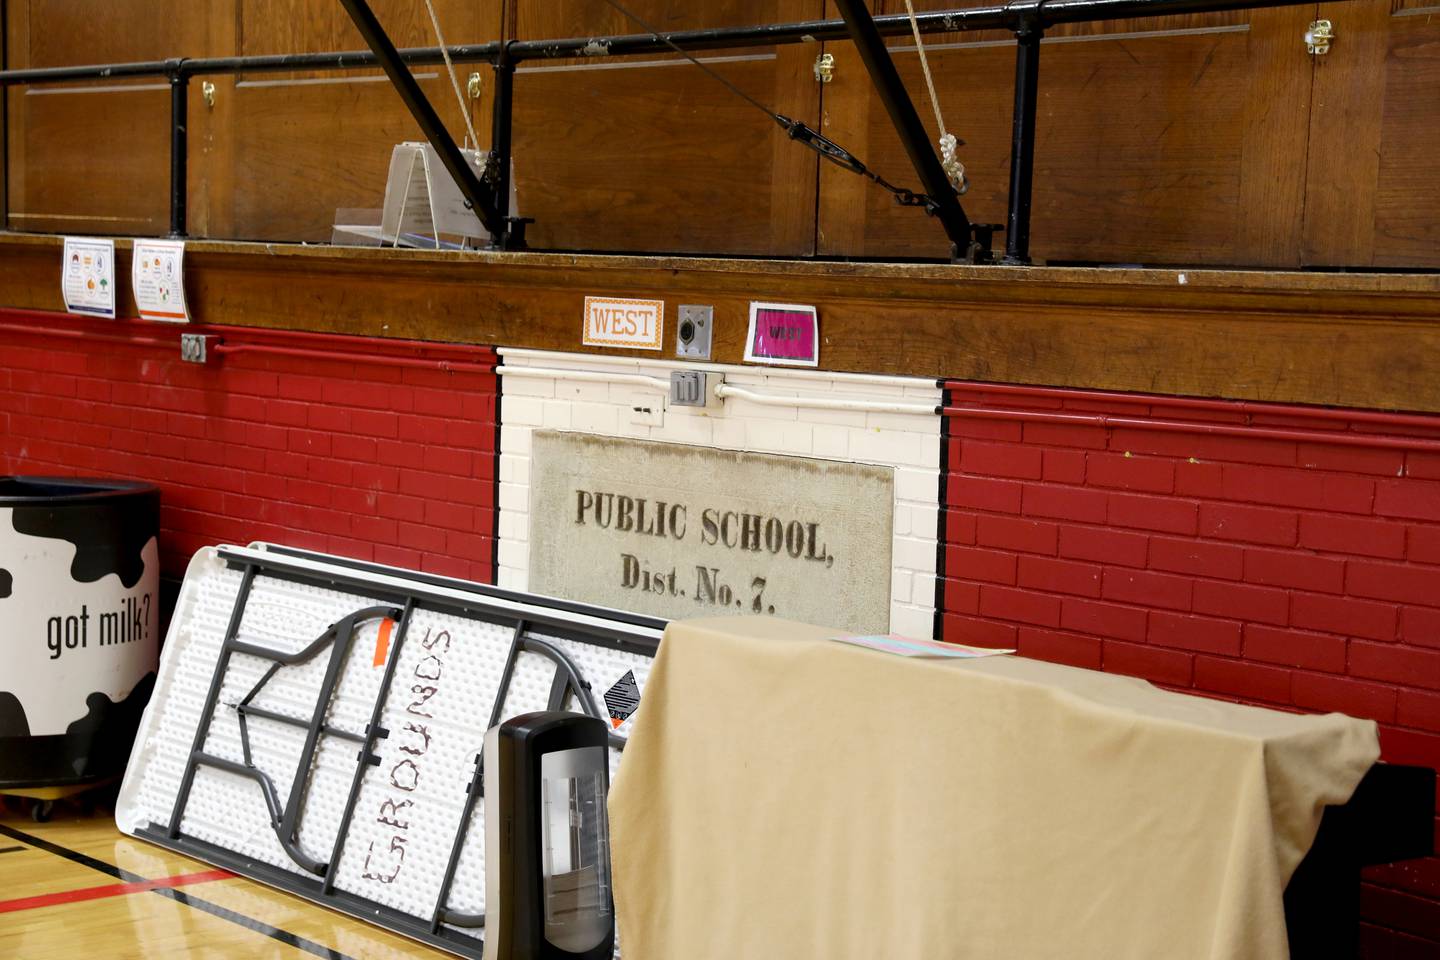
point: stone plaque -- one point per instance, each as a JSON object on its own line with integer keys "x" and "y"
{"x": 686, "y": 531}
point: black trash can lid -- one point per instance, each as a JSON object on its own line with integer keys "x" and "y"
{"x": 50, "y": 491}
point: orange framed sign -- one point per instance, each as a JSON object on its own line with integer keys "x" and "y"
{"x": 618, "y": 322}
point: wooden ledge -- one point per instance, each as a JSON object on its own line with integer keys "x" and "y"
{"x": 1361, "y": 340}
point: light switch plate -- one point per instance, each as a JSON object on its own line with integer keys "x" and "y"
{"x": 647, "y": 409}
{"x": 194, "y": 347}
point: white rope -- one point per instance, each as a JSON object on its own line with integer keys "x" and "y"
{"x": 473, "y": 140}
{"x": 954, "y": 169}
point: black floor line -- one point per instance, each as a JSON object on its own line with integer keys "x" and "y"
{"x": 11, "y": 849}
{"x": 179, "y": 896}
{"x": 74, "y": 856}
{"x": 259, "y": 926}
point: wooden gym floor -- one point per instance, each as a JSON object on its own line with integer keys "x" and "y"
{"x": 76, "y": 888}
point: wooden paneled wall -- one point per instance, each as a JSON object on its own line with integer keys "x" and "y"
{"x": 650, "y": 154}
{"x": 1206, "y": 139}
{"x": 273, "y": 158}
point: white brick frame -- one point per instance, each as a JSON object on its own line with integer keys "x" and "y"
{"x": 910, "y": 443}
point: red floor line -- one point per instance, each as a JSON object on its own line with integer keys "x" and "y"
{"x": 110, "y": 890}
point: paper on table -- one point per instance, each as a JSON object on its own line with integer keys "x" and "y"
{"x": 910, "y": 647}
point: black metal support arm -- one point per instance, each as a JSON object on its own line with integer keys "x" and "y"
{"x": 891, "y": 89}
{"x": 480, "y": 196}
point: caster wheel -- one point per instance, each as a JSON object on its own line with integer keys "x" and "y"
{"x": 41, "y": 810}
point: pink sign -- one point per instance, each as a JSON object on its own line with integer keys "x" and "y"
{"x": 783, "y": 333}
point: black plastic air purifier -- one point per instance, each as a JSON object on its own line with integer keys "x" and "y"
{"x": 547, "y": 843}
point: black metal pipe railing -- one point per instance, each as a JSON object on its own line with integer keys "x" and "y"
{"x": 1010, "y": 16}
{"x": 500, "y": 132}
{"x": 1022, "y": 145}
{"x": 4, "y": 124}
{"x": 179, "y": 151}
{"x": 1024, "y": 18}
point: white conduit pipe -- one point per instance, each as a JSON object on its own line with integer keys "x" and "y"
{"x": 821, "y": 403}
{"x": 725, "y": 369}
{"x": 724, "y": 390}
{"x": 589, "y": 376}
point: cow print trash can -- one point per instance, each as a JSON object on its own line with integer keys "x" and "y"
{"x": 79, "y": 628}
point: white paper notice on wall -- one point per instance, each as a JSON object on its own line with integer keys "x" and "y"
{"x": 87, "y": 279}
{"x": 612, "y": 322}
{"x": 157, "y": 276}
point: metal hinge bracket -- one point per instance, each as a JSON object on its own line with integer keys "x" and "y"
{"x": 1319, "y": 37}
{"x": 825, "y": 68}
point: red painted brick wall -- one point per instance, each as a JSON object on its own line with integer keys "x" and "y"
{"x": 385, "y": 463}
{"x": 1285, "y": 572}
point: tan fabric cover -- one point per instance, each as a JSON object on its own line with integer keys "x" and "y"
{"x": 785, "y": 797}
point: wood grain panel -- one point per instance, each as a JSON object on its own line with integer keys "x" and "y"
{"x": 650, "y": 158}
{"x": 650, "y": 154}
{"x": 1371, "y": 198}
{"x": 1350, "y": 340}
{"x": 1176, "y": 139}
{"x": 94, "y": 156}
{"x": 12, "y": 24}
{"x": 66, "y": 190}
{"x": 1193, "y": 21}
{"x": 546, "y": 19}
{"x": 1276, "y": 126}
{"x": 71, "y": 33}
{"x": 1345, "y": 132}
{"x": 1407, "y": 195}
{"x": 212, "y": 187}
{"x": 316, "y": 26}
{"x": 292, "y": 174}
{"x": 300, "y": 146}
{"x": 1138, "y": 146}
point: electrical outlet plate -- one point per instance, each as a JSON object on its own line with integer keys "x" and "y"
{"x": 194, "y": 347}
{"x": 694, "y": 330}
{"x": 688, "y": 388}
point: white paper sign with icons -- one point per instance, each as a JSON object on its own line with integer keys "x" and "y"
{"x": 157, "y": 275}
{"x": 87, "y": 277}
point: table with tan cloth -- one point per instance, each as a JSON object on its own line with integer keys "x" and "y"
{"x": 783, "y": 796}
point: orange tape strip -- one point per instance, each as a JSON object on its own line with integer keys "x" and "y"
{"x": 382, "y": 642}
